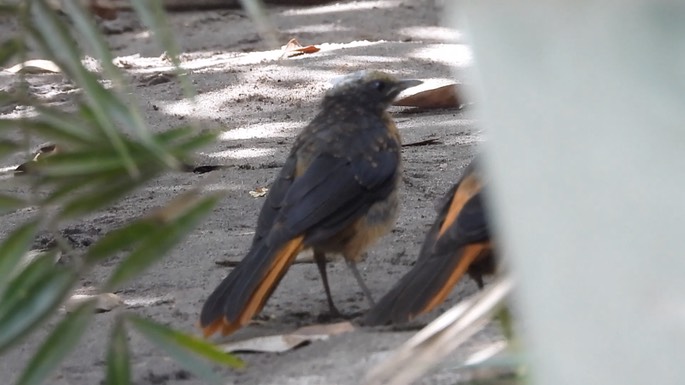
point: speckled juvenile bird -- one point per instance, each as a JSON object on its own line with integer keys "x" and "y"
{"x": 336, "y": 193}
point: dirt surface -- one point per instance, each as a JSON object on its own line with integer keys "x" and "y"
{"x": 261, "y": 102}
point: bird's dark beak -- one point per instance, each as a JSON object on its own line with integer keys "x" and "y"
{"x": 404, "y": 84}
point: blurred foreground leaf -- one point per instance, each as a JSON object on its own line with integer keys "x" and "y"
{"x": 13, "y": 248}
{"x": 103, "y": 150}
{"x": 8, "y": 49}
{"x": 56, "y": 41}
{"x": 9, "y": 203}
{"x": 185, "y": 349}
{"x": 171, "y": 227}
{"x": 33, "y": 294}
{"x": 58, "y": 345}
{"x": 118, "y": 367}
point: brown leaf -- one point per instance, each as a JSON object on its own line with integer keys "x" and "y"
{"x": 440, "y": 97}
{"x": 104, "y": 9}
{"x": 294, "y": 48}
{"x": 41, "y": 154}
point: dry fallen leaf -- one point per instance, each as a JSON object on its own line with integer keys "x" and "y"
{"x": 259, "y": 192}
{"x": 45, "y": 151}
{"x": 105, "y": 302}
{"x": 36, "y": 66}
{"x": 285, "y": 342}
{"x": 294, "y": 48}
{"x": 103, "y": 9}
{"x": 106, "y": 9}
{"x": 440, "y": 97}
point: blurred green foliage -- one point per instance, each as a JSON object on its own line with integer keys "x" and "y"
{"x": 94, "y": 165}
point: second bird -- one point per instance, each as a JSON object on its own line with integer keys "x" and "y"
{"x": 458, "y": 243}
{"x": 336, "y": 193}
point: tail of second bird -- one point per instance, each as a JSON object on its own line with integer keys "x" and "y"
{"x": 426, "y": 285}
{"x": 457, "y": 243}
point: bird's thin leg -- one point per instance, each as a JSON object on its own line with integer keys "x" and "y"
{"x": 353, "y": 266}
{"x": 320, "y": 259}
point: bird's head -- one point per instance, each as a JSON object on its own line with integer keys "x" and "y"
{"x": 374, "y": 89}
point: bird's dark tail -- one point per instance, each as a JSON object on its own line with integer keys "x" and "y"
{"x": 456, "y": 243}
{"x": 243, "y": 293}
{"x": 425, "y": 286}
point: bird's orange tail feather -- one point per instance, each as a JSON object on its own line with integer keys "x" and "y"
{"x": 281, "y": 261}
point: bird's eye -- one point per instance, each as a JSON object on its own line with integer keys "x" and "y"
{"x": 378, "y": 85}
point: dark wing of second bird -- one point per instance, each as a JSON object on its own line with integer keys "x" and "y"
{"x": 457, "y": 243}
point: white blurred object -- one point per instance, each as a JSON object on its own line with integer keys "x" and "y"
{"x": 438, "y": 339}
{"x": 584, "y": 105}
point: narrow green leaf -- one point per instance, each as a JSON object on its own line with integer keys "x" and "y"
{"x": 31, "y": 273}
{"x": 54, "y": 38}
{"x": 8, "y": 49}
{"x": 14, "y": 247}
{"x": 103, "y": 195}
{"x": 6, "y": 98}
{"x": 78, "y": 128}
{"x": 119, "y": 239}
{"x": 125, "y": 116}
{"x": 9, "y": 9}
{"x": 118, "y": 360}
{"x": 200, "y": 140}
{"x": 58, "y": 345}
{"x": 257, "y": 13}
{"x": 9, "y": 203}
{"x": 83, "y": 163}
{"x": 506, "y": 322}
{"x": 66, "y": 131}
{"x": 8, "y": 147}
{"x": 67, "y": 189}
{"x": 153, "y": 16}
{"x": 181, "y": 141}
{"x": 30, "y": 297}
{"x": 185, "y": 348}
{"x": 107, "y": 109}
{"x": 159, "y": 242}
{"x": 173, "y": 134}
{"x": 83, "y": 21}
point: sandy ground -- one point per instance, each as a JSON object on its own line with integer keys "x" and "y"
{"x": 261, "y": 102}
